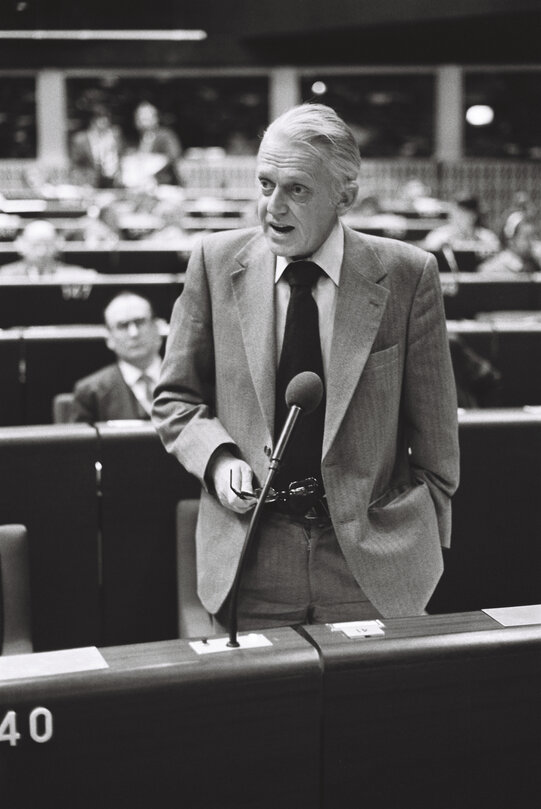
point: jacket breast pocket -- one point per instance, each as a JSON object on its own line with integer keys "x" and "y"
{"x": 379, "y": 359}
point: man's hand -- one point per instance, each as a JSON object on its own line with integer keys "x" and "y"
{"x": 226, "y": 471}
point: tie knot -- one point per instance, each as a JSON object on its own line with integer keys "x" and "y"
{"x": 302, "y": 273}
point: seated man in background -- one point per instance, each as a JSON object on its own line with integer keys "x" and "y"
{"x": 464, "y": 230}
{"x": 39, "y": 246}
{"x": 519, "y": 254}
{"x": 123, "y": 390}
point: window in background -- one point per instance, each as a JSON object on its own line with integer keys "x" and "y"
{"x": 227, "y": 112}
{"x": 17, "y": 117}
{"x": 514, "y": 129}
{"x": 391, "y": 115}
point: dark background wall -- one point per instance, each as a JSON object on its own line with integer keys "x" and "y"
{"x": 257, "y": 32}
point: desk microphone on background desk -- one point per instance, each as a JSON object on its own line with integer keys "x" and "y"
{"x": 303, "y": 394}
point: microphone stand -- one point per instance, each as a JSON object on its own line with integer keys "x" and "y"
{"x": 276, "y": 459}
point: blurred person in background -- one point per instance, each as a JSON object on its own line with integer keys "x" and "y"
{"x": 157, "y": 140}
{"x": 96, "y": 151}
{"x": 521, "y": 248}
{"x": 39, "y": 247}
{"x": 123, "y": 390}
{"x": 464, "y": 230}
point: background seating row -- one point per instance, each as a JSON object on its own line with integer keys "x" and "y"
{"x": 25, "y": 303}
{"x": 100, "y": 503}
{"x": 40, "y": 362}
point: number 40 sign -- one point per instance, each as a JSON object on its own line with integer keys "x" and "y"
{"x": 40, "y": 726}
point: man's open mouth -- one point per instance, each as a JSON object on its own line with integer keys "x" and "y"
{"x": 282, "y": 228}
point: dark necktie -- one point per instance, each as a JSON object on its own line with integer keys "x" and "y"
{"x": 301, "y": 351}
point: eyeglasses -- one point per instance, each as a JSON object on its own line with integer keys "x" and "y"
{"x": 138, "y": 322}
{"x": 297, "y": 488}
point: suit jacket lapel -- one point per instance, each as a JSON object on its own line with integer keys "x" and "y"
{"x": 253, "y": 287}
{"x": 359, "y": 309}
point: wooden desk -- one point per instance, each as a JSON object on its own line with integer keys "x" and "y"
{"x": 49, "y": 302}
{"x": 131, "y": 257}
{"x": 441, "y": 712}
{"x": 163, "y": 726}
{"x": 467, "y": 294}
{"x": 513, "y": 346}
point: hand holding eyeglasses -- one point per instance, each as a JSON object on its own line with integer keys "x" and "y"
{"x": 229, "y": 474}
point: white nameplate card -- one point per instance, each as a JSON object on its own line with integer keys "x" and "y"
{"x": 212, "y": 645}
{"x": 46, "y": 664}
{"x": 516, "y": 616}
{"x": 359, "y": 629}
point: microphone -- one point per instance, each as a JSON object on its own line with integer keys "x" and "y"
{"x": 303, "y": 395}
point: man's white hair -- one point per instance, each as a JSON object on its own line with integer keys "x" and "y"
{"x": 321, "y": 128}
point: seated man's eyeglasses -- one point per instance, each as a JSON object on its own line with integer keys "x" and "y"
{"x": 138, "y": 322}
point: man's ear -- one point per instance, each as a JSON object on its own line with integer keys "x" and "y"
{"x": 347, "y": 197}
{"x": 109, "y": 342}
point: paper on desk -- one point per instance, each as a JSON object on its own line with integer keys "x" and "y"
{"x": 45, "y": 664}
{"x": 359, "y": 629}
{"x": 516, "y": 616}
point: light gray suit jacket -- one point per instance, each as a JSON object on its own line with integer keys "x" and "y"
{"x": 390, "y": 451}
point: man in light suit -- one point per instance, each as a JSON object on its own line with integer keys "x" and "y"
{"x": 123, "y": 390}
{"x": 370, "y": 544}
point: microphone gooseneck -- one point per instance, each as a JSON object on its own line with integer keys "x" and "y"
{"x": 303, "y": 394}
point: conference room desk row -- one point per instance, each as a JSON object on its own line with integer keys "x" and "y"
{"x": 467, "y": 294}
{"x": 49, "y": 302}
{"x": 436, "y": 711}
{"x": 125, "y": 257}
{"x": 40, "y": 362}
{"x": 100, "y": 506}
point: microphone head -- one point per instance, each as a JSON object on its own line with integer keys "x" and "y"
{"x": 305, "y": 391}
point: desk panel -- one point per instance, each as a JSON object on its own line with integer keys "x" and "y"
{"x": 513, "y": 347}
{"x": 44, "y": 303}
{"x": 54, "y": 358}
{"x": 11, "y": 397}
{"x": 166, "y": 727}
{"x": 432, "y": 715}
{"x": 467, "y": 294}
{"x": 495, "y": 554}
{"x": 48, "y": 483}
{"x": 141, "y": 486}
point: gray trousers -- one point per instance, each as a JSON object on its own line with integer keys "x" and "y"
{"x": 295, "y": 575}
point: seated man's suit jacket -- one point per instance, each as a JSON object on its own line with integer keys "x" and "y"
{"x": 390, "y": 449}
{"x": 105, "y": 395}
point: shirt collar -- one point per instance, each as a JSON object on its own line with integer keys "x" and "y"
{"x": 132, "y": 374}
{"x": 329, "y": 256}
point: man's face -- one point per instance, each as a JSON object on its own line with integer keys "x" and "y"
{"x": 295, "y": 205}
{"x": 38, "y": 244}
{"x": 146, "y": 117}
{"x": 133, "y": 333}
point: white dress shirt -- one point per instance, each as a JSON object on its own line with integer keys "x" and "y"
{"x": 329, "y": 257}
{"x": 133, "y": 378}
